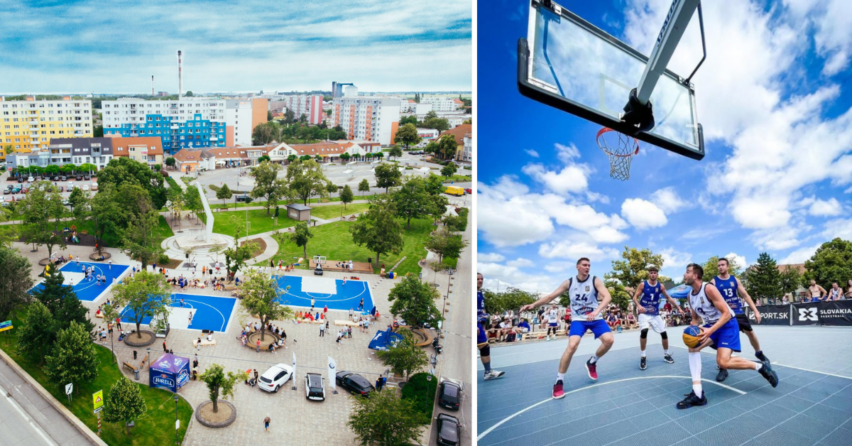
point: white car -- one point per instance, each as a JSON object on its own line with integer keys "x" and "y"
{"x": 85, "y": 188}
{"x": 275, "y": 377}
{"x": 95, "y": 186}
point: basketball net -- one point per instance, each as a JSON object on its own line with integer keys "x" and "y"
{"x": 620, "y": 149}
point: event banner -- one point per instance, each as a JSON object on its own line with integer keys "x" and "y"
{"x": 836, "y": 312}
{"x": 772, "y": 315}
{"x": 806, "y": 313}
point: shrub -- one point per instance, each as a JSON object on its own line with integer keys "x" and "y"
{"x": 421, "y": 392}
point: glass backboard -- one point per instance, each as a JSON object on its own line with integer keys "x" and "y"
{"x": 570, "y": 64}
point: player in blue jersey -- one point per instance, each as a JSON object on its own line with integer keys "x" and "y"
{"x": 586, "y": 314}
{"x": 720, "y": 331}
{"x": 731, "y": 290}
{"x": 481, "y": 336}
{"x": 649, "y": 313}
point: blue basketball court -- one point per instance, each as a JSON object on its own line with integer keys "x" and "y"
{"x": 208, "y": 312}
{"x": 88, "y": 290}
{"x": 330, "y": 292}
{"x": 812, "y": 404}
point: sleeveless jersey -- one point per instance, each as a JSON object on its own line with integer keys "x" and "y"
{"x": 480, "y": 306}
{"x": 728, "y": 290}
{"x": 833, "y": 294}
{"x": 650, "y": 299}
{"x": 702, "y": 305}
{"x": 584, "y": 298}
{"x": 553, "y": 316}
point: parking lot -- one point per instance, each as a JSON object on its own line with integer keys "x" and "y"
{"x": 23, "y": 184}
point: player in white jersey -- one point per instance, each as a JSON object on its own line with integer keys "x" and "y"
{"x": 552, "y": 321}
{"x": 585, "y": 315}
{"x": 720, "y": 331}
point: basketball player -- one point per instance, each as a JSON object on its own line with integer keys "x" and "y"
{"x": 552, "y": 321}
{"x": 649, "y": 313}
{"x": 731, "y": 289}
{"x": 481, "y": 336}
{"x": 720, "y": 332}
{"x": 585, "y": 315}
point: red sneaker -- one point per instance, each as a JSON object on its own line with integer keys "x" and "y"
{"x": 557, "y": 390}
{"x": 592, "y": 368}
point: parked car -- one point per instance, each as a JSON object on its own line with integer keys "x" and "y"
{"x": 55, "y": 178}
{"x": 354, "y": 383}
{"x": 70, "y": 186}
{"x": 25, "y": 189}
{"x": 16, "y": 190}
{"x": 468, "y": 191}
{"x": 314, "y": 387}
{"x": 20, "y": 179}
{"x": 66, "y": 202}
{"x": 275, "y": 377}
{"x": 30, "y": 179}
{"x": 87, "y": 177}
{"x": 94, "y": 186}
{"x": 85, "y": 188}
{"x": 78, "y": 177}
{"x": 449, "y": 395}
{"x": 63, "y": 178}
{"x": 7, "y": 190}
{"x": 243, "y": 198}
{"x": 448, "y": 430}
{"x": 60, "y": 188}
{"x": 318, "y": 270}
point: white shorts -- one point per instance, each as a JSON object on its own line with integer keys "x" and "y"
{"x": 655, "y": 322}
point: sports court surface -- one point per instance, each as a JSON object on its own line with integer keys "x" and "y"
{"x": 330, "y": 292}
{"x": 208, "y": 312}
{"x": 85, "y": 290}
{"x": 812, "y": 404}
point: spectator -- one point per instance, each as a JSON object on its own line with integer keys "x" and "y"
{"x": 816, "y": 292}
{"x": 835, "y": 292}
{"x": 524, "y": 326}
{"x": 266, "y": 424}
{"x": 849, "y": 289}
{"x": 379, "y": 383}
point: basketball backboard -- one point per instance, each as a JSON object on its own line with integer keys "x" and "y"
{"x": 570, "y": 64}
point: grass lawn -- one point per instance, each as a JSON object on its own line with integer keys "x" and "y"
{"x": 335, "y": 242}
{"x": 257, "y": 218}
{"x": 458, "y": 178}
{"x": 333, "y": 211}
{"x": 217, "y": 204}
{"x": 154, "y": 428}
{"x": 163, "y": 230}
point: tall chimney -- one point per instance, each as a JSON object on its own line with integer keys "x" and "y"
{"x": 152, "y": 85}
{"x": 180, "y": 78}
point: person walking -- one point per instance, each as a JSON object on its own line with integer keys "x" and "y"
{"x": 322, "y": 331}
{"x": 379, "y": 383}
{"x": 164, "y": 347}
{"x": 266, "y": 424}
{"x": 258, "y": 351}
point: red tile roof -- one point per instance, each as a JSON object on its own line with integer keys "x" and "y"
{"x": 459, "y": 132}
{"x": 120, "y": 145}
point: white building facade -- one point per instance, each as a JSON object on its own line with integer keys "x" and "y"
{"x": 441, "y": 104}
{"x": 308, "y": 105}
{"x": 239, "y": 114}
{"x": 366, "y": 118}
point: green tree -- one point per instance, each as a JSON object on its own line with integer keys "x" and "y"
{"x": 407, "y": 134}
{"x": 414, "y": 302}
{"x": 633, "y": 269}
{"x": 170, "y": 162}
{"x": 74, "y": 359}
{"x": 98, "y": 131}
{"x": 413, "y": 200}
{"x": 388, "y": 175}
{"x": 346, "y": 195}
{"x": 384, "y": 419}
{"x": 140, "y": 241}
{"x": 446, "y": 244}
{"x": 261, "y": 295}
{"x": 124, "y": 403}
{"x": 15, "y": 270}
{"x": 620, "y": 296}
{"x": 263, "y": 158}
{"x": 332, "y": 188}
{"x": 411, "y": 119}
{"x": 267, "y": 185}
{"x": 224, "y": 193}
{"x": 764, "y": 278}
{"x": 364, "y": 186}
{"x": 79, "y": 203}
{"x": 439, "y": 124}
{"x": 188, "y": 94}
{"x": 789, "y": 279}
{"x": 220, "y": 384}
{"x": 263, "y": 134}
{"x": 431, "y": 147}
{"x": 511, "y": 299}
{"x": 832, "y": 262}
{"x": 145, "y": 295}
{"x": 292, "y": 158}
{"x": 447, "y": 146}
{"x": 236, "y": 257}
{"x": 35, "y": 335}
{"x": 377, "y": 229}
{"x": 268, "y": 116}
{"x": 420, "y": 390}
{"x": 8, "y": 233}
{"x": 304, "y": 179}
{"x": 449, "y": 170}
{"x": 301, "y": 236}
{"x": 404, "y": 357}
{"x": 711, "y": 268}
{"x": 41, "y": 210}
{"x": 61, "y": 301}
{"x": 192, "y": 200}
{"x": 123, "y": 170}
{"x": 107, "y": 215}
{"x": 395, "y": 151}
{"x": 345, "y": 156}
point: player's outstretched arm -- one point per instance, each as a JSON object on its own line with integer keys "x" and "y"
{"x": 744, "y": 294}
{"x": 670, "y": 300}
{"x": 606, "y": 298}
{"x": 556, "y": 293}
{"x": 636, "y": 295}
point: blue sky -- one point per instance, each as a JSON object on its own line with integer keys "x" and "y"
{"x": 100, "y": 46}
{"x": 773, "y": 97}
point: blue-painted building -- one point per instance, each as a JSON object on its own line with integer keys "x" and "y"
{"x": 176, "y": 135}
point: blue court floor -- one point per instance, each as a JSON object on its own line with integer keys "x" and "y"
{"x": 343, "y": 298}
{"x": 637, "y": 407}
{"x": 208, "y": 312}
{"x": 85, "y": 290}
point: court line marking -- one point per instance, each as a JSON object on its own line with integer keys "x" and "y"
{"x": 503, "y": 421}
{"x": 809, "y": 370}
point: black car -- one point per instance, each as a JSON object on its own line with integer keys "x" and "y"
{"x": 449, "y": 395}
{"x": 245, "y": 198}
{"x": 314, "y": 387}
{"x": 78, "y": 177}
{"x": 20, "y": 179}
{"x": 448, "y": 430}
{"x": 63, "y": 178}
{"x": 354, "y": 383}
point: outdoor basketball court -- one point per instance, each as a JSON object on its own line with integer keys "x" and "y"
{"x": 812, "y": 404}
{"x": 208, "y": 312}
{"x": 330, "y": 292}
{"x": 87, "y": 290}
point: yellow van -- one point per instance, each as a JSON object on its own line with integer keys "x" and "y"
{"x": 454, "y": 190}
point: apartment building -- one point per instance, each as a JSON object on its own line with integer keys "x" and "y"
{"x": 147, "y": 150}
{"x": 308, "y": 105}
{"x": 61, "y": 151}
{"x": 442, "y": 103}
{"x": 30, "y": 125}
{"x": 366, "y": 118}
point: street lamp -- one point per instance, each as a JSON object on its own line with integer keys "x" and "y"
{"x": 428, "y": 381}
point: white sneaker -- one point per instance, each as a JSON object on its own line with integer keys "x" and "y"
{"x": 494, "y": 374}
{"x": 548, "y": 337}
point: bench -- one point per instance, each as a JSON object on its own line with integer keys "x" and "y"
{"x": 204, "y": 343}
{"x": 340, "y": 322}
{"x": 131, "y": 367}
{"x": 100, "y": 315}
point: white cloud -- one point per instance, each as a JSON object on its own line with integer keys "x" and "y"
{"x": 736, "y": 258}
{"x": 841, "y": 227}
{"x": 832, "y": 20}
{"x": 777, "y": 238}
{"x": 557, "y": 267}
{"x": 506, "y": 217}
{"x": 643, "y": 214}
{"x": 826, "y": 208}
{"x": 531, "y": 153}
{"x": 668, "y": 200}
{"x": 573, "y": 250}
{"x": 594, "y": 196}
{"x": 571, "y": 179}
{"x": 489, "y": 257}
{"x": 799, "y": 255}
{"x": 520, "y": 262}
{"x": 568, "y": 153}
{"x": 500, "y": 276}
{"x": 674, "y": 260}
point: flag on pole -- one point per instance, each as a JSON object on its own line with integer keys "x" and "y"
{"x": 332, "y": 372}
{"x": 294, "y": 365}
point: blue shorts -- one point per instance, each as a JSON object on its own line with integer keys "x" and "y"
{"x": 727, "y": 336}
{"x": 480, "y": 334}
{"x": 553, "y": 324}
{"x": 598, "y": 327}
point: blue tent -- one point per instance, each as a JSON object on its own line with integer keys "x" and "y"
{"x": 169, "y": 372}
{"x": 383, "y": 340}
{"x": 680, "y": 291}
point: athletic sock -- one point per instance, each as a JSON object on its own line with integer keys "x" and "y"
{"x": 560, "y": 377}
{"x": 668, "y": 352}
{"x": 695, "y": 371}
{"x": 643, "y": 353}
{"x": 758, "y": 366}
{"x": 487, "y": 366}
{"x": 593, "y": 359}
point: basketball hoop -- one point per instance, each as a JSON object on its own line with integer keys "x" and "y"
{"x": 620, "y": 151}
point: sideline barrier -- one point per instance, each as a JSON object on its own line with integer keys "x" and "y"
{"x": 831, "y": 313}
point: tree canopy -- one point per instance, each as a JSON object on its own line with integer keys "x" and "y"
{"x": 145, "y": 295}
{"x": 832, "y": 262}
{"x": 384, "y": 419}
{"x": 126, "y": 170}
{"x": 633, "y": 269}
{"x": 414, "y": 302}
{"x": 218, "y": 383}
{"x": 267, "y": 185}
{"x": 407, "y": 134}
{"x": 124, "y": 403}
{"x": 388, "y": 175}
{"x": 377, "y": 229}
{"x": 260, "y": 295}
{"x": 73, "y": 358}
{"x": 304, "y": 179}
